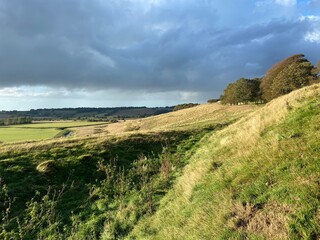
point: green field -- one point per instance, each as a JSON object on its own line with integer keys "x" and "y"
{"x": 39, "y": 130}
{"x": 12, "y": 134}
{"x": 58, "y": 124}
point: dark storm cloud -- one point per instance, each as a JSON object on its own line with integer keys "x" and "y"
{"x": 152, "y": 45}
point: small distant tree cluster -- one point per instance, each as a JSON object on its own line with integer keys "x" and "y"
{"x": 184, "y": 105}
{"x": 242, "y": 91}
{"x": 292, "y": 73}
{"x": 15, "y": 121}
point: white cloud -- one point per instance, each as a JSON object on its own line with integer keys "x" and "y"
{"x": 287, "y": 2}
{"x": 263, "y": 39}
{"x": 36, "y": 92}
{"x": 313, "y": 18}
{"x": 313, "y": 37}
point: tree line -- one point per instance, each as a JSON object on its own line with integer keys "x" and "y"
{"x": 88, "y": 114}
{"x": 15, "y": 121}
{"x": 291, "y": 73}
{"x": 184, "y": 106}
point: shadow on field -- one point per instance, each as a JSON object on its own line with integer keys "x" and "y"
{"x": 75, "y": 166}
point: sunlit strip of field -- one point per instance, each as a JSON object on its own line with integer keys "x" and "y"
{"x": 59, "y": 124}
{"x": 13, "y": 134}
{"x": 40, "y": 130}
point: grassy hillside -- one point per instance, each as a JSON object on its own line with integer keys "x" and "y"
{"x": 208, "y": 172}
{"x": 96, "y": 184}
{"x": 256, "y": 179}
{"x": 198, "y": 117}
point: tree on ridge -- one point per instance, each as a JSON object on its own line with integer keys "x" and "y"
{"x": 291, "y": 73}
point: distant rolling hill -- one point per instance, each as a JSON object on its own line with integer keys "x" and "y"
{"x": 78, "y": 113}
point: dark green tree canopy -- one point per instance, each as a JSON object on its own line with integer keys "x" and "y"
{"x": 318, "y": 72}
{"x": 184, "y": 105}
{"x": 292, "y": 73}
{"x": 242, "y": 91}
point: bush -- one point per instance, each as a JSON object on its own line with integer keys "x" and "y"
{"x": 185, "y": 105}
{"x": 242, "y": 91}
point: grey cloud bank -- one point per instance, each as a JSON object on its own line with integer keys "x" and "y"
{"x": 191, "y": 46}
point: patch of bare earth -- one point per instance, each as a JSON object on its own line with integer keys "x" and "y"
{"x": 270, "y": 221}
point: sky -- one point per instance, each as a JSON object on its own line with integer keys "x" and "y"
{"x": 105, "y": 53}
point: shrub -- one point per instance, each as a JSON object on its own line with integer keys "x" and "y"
{"x": 185, "y": 105}
{"x": 242, "y": 91}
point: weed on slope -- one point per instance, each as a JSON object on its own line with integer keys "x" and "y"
{"x": 90, "y": 188}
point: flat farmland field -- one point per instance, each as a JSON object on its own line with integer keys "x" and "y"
{"x": 39, "y": 130}
{"x": 59, "y": 124}
{"x": 12, "y": 134}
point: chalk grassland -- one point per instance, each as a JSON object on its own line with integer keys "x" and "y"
{"x": 208, "y": 172}
{"x": 206, "y": 115}
{"x": 256, "y": 179}
{"x": 39, "y": 130}
{"x": 92, "y": 167}
{"x": 199, "y": 117}
{"x": 196, "y": 118}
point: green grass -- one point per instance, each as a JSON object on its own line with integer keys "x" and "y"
{"x": 59, "y": 124}
{"x": 253, "y": 178}
{"x": 250, "y": 184}
{"x": 39, "y": 130}
{"x": 90, "y": 175}
{"x": 14, "y": 134}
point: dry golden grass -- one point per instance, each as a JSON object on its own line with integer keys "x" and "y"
{"x": 271, "y": 221}
{"x": 230, "y": 146}
{"x": 191, "y": 118}
{"x": 48, "y": 166}
{"x": 186, "y": 119}
{"x": 250, "y": 128}
{"x": 89, "y": 131}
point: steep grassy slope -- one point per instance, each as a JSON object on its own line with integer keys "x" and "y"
{"x": 97, "y": 185}
{"x": 256, "y": 179}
